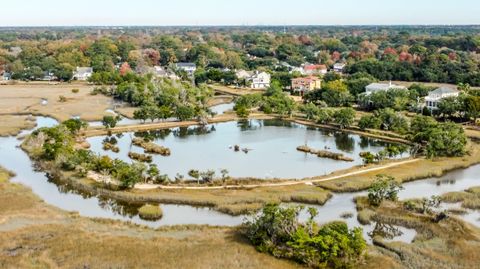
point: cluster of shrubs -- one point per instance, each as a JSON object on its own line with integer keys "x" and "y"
{"x": 278, "y": 231}
{"x": 57, "y": 145}
{"x": 390, "y": 151}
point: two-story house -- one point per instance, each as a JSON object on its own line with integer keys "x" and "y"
{"x": 313, "y": 69}
{"x": 303, "y": 85}
{"x": 190, "y": 68}
{"x": 82, "y": 73}
{"x": 434, "y": 97}
{"x": 339, "y": 67}
{"x": 259, "y": 80}
{"x": 378, "y": 87}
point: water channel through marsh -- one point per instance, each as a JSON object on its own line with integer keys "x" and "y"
{"x": 273, "y": 140}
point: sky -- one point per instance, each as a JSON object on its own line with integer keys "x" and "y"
{"x": 236, "y": 12}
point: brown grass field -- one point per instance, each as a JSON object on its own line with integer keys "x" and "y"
{"x": 36, "y": 235}
{"x": 26, "y": 99}
{"x": 12, "y": 125}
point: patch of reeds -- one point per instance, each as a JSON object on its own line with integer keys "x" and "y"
{"x": 108, "y": 146}
{"x": 325, "y": 154}
{"x": 140, "y": 157}
{"x": 315, "y": 198}
{"x": 150, "y": 212}
{"x": 239, "y": 208}
{"x": 150, "y": 147}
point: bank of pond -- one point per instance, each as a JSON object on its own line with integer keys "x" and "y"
{"x": 269, "y": 149}
{"x": 273, "y": 153}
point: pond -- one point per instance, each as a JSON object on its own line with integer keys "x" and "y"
{"x": 16, "y": 160}
{"x": 271, "y": 146}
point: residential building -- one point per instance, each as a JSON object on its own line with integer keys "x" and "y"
{"x": 311, "y": 69}
{"x": 82, "y": 73}
{"x": 378, "y": 87}
{"x": 5, "y": 76}
{"x": 49, "y": 76}
{"x": 243, "y": 74}
{"x": 190, "y": 68}
{"x": 339, "y": 67}
{"x": 259, "y": 80}
{"x": 306, "y": 84}
{"x": 298, "y": 70}
{"x": 434, "y": 97}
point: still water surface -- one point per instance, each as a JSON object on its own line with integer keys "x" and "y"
{"x": 271, "y": 146}
{"x": 16, "y": 160}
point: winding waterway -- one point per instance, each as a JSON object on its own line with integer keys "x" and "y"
{"x": 14, "y": 159}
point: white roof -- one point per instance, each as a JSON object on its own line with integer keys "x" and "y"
{"x": 84, "y": 70}
{"x": 444, "y": 90}
{"x": 383, "y": 87}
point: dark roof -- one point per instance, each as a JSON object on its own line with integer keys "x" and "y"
{"x": 186, "y": 65}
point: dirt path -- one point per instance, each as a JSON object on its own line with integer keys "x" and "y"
{"x": 280, "y": 184}
{"x": 97, "y": 131}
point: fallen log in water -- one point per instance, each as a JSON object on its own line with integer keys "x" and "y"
{"x": 325, "y": 154}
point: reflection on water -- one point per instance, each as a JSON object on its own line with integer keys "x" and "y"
{"x": 272, "y": 149}
{"x": 87, "y": 205}
{"x": 63, "y": 197}
{"x": 390, "y": 233}
{"x": 345, "y": 142}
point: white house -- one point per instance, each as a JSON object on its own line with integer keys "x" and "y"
{"x": 190, "y": 68}
{"x": 82, "y": 73}
{"x": 242, "y": 74}
{"x": 339, "y": 67}
{"x": 434, "y": 97}
{"x": 158, "y": 71}
{"x": 5, "y": 76}
{"x": 260, "y": 80}
{"x": 378, "y": 87}
{"x": 299, "y": 70}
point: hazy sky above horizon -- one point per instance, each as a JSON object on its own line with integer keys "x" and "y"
{"x": 243, "y": 12}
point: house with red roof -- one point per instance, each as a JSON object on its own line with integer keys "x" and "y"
{"x": 306, "y": 84}
{"x": 312, "y": 69}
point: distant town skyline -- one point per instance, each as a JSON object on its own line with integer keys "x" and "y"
{"x": 246, "y": 12}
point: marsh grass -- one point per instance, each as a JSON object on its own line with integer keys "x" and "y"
{"x": 150, "y": 212}
{"x": 424, "y": 168}
{"x": 450, "y": 243}
{"x": 470, "y": 198}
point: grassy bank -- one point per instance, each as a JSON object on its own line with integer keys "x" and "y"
{"x": 98, "y": 131}
{"x": 230, "y": 201}
{"x": 13, "y": 125}
{"x": 36, "y": 235}
{"x": 449, "y": 243}
{"x": 424, "y": 168}
{"x": 469, "y": 199}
